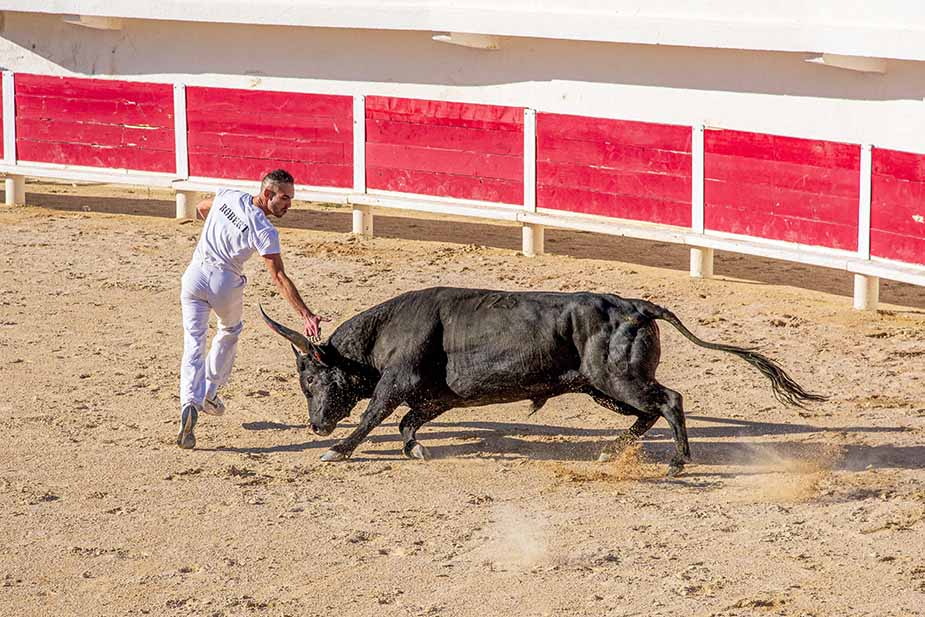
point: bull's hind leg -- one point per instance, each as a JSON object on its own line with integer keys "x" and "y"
{"x": 673, "y": 412}
{"x": 656, "y": 401}
{"x": 644, "y": 421}
{"x": 413, "y": 420}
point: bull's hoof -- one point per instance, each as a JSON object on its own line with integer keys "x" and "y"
{"x": 675, "y": 468}
{"x": 333, "y": 456}
{"x": 420, "y": 452}
{"x": 414, "y": 450}
{"x": 605, "y": 457}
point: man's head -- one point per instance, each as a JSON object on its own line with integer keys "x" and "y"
{"x": 276, "y": 192}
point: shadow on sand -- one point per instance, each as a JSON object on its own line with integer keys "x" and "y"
{"x": 505, "y": 440}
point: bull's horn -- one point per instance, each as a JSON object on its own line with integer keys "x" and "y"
{"x": 299, "y": 340}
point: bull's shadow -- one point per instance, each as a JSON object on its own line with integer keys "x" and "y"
{"x": 505, "y": 440}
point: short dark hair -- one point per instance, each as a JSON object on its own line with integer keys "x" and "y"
{"x": 276, "y": 177}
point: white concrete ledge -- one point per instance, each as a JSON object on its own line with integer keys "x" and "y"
{"x": 437, "y": 205}
{"x": 605, "y": 225}
{"x": 87, "y": 174}
{"x": 891, "y": 270}
{"x": 302, "y": 192}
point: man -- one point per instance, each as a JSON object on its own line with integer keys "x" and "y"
{"x": 236, "y": 226}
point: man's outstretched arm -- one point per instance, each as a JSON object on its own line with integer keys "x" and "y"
{"x": 274, "y": 263}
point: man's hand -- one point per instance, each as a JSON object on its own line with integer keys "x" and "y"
{"x": 313, "y": 325}
{"x": 203, "y": 207}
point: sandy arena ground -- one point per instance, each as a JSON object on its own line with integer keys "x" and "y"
{"x": 785, "y": 511}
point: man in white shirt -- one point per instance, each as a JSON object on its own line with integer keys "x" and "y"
{"x": 236, "y": 226}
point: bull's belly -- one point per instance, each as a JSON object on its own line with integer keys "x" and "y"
{"x": 476, "y": 386}
{"x": 480, "y": 399}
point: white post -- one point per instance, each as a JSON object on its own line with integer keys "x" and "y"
{"x": 186, "y": 200}
{"x": 15, "y": 190}
{"x": 701, "y": 263}
{"x": 363, "y": 221}
{"x": 866, "y": 288}
{"x": 533, "y": 239}
{"x": 362, "y": 215}
{"x": 530, "y": 160}
{"x": 186, "y": 205}
{"x": 15, "y": 185}
{"x": 864, "y": 202}
{"x": 9, "y": 118}
{"x": 533, "y": 234}
{"x": 180, "y": 131}
{"x": 701, "y": 258}
{"x": 866, "y": 292}
{"x": 359, "y": 143}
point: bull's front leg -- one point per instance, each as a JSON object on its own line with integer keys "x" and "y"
{"x": 419, "y": 415}
{"x": 386, "y": 397}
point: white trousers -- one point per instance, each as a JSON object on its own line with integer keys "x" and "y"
{"x": 205, "y": 289}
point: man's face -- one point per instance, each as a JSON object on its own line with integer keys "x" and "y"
{"x": 278, "y": 203}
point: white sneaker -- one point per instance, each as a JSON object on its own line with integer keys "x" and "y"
{"x": 214, "y": 406}
{"x": 188, "y": 416}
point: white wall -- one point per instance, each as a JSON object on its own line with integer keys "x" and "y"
{"x": 775, "y": 92}
{"x": 885, "y": 28}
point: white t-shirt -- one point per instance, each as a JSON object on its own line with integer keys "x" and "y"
{"x": 233, "y": 230}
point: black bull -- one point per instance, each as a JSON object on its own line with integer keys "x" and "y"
{"x": 440, "y": 348}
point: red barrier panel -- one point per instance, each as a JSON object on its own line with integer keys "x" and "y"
{"x": 630, "y": 170}
{"x": 95, "y": 123}
{"x": 897, "y": 208}
{"x": 242, "y": 134}
{"x": 758, "y": 185}
{"x": 782, "y": 188}
{"x": 446, "y": 149}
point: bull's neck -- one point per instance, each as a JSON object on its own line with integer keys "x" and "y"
{"x": 355, "y": 338}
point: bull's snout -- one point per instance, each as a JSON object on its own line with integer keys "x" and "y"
{"x": 321, "y": 431}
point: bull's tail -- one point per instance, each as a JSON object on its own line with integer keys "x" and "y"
{"x": 786, "y": 390}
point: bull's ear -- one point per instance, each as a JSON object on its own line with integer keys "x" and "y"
{"x": 316, "y": 354}
{"x": 323, "y": 355}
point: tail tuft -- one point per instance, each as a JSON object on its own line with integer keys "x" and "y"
{"x": 785, "y": 389}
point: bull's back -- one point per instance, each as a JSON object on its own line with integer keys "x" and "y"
{"x": 509, "y": 345}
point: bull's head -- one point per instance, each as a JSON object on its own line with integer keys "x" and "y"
{"x": 331, "y": 388}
